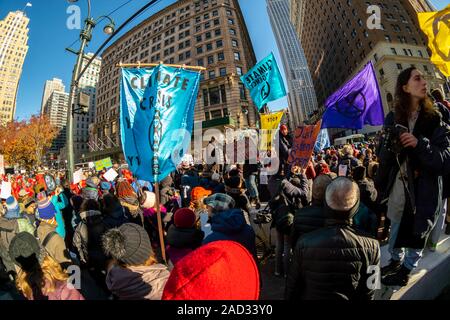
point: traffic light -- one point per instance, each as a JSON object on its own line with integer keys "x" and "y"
{"x": 83, "y": 102}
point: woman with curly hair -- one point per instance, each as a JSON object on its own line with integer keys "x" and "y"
{"x": 39, "y": 277}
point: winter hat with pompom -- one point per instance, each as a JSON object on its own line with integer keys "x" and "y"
{"x": 129, "y": 244}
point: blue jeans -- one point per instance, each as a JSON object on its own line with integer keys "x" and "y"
{"x": 411, "y": 256}
{"x": 250, "y": 183}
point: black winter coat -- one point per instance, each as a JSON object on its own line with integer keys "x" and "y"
{"x": 184, "y": 238}
{"x": 368, "y": 195}
{"x": 307, "y": 220}
{"x": 331, "y": 264}
{"x": 428, "y": 162}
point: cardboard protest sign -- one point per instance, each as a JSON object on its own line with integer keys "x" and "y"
{"x": 78, "y": 176}
{"x": 104, "y": 163}
{"x": 110, "y": 175}
{"x": 303, "y": 146}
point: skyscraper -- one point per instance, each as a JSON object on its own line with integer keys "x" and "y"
{"x": 56, "y": 110}
{"x": 339, "y": 40}
{"x": 302, "y": 97}
{"x": 88, "y": 84}
{"x": 209, "y": 33}
{"x": 50, "y": 86}
{"x": 13, "y": 50}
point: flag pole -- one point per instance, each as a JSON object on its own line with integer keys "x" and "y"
{"x": 157, "y": 195}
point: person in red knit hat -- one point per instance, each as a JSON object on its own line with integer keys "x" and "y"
{"x": 221, "y": 270}
{"x": 183, "y": 237}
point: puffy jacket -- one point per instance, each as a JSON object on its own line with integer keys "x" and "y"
{"x": 138, "y": 283}
{"x": 231, "y": 225}
{"x": 331, "y": 263}
{"x": 308, "y": 219}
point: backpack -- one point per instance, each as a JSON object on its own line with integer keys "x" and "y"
{"x": 283, "y": 219}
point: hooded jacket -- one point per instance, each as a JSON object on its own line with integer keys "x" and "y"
{"x": 115, "y": 218}
{"x": 138, "y": 283}
{"x": 231, "y": 225}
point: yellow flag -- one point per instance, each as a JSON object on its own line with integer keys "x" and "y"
{"x": 436, "y": 25}
{"x": 269, "y": 124}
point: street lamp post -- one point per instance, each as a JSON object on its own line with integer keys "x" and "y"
{"x": 85, "y": 37}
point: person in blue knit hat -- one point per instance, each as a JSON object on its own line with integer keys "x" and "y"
{"x": 11, "y": 223}
{"x": 47, "y": 231}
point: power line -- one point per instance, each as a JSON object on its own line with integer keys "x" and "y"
{"x": 112, "y": 12}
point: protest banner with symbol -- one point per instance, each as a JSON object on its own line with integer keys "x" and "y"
{"x": 269, "y": 124}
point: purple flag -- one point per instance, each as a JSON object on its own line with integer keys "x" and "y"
{"x": 355, "y": 104}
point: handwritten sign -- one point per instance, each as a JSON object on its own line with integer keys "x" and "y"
{"x": 269, "y": 124}
{"x": 303, "y": 146}
{"x": 110, "y": 175}
{"x": 101, "y": 164}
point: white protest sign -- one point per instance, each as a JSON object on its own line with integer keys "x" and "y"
{"x": 2, "y": 164}
{"x": 5, "y": 190}
{"x": 78, "y": 176}
{"x": 110, "y": 175}
{"x": 342, "y": 170}
{"x": 91, "y": 165}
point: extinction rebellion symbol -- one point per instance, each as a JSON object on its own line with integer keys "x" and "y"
{"x": 265, "y": 91}
{"x": 350, "y": 106}
{"x": 437, "y": 30}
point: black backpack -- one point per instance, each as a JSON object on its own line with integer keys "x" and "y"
{"x": 282, "y": 215}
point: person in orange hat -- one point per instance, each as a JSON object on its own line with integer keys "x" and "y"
{"x": 197, "y": 196}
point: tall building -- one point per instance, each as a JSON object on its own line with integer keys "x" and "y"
{"x": 13, "y": 50}
{"x": 88, "y": 84}
{"x": 302, "y": 97}
{"x": 50, "y": 86}
{"x": 209, "y": 33}
{"x": 56, "y": 110}
{"x": 338, "y": 43}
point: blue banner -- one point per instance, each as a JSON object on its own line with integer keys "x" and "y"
{"x": 265, "y": 82}
{"x": 323, "y": 141}
{"x": 357, "y": 103}
{"x": 156, "y": 118}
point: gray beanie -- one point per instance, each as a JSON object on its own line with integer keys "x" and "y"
{"x": 129, "y": 244}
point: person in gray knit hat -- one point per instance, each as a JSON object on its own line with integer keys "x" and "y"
{"x": 134, "y": 273}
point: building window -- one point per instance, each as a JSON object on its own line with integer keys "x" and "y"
{"x": 242, "y": 92}
{"x": 207, "y": 117}
{"x": 231, "y": 21}
{"x": 220, "y": 56}
{"x": 198, "y": 28}
{"x": 198, "y": 19}
{"x": 237, "y": 56}
{"x": 394, "y": 51}
{"x": 215, "y": 13}
{"x": 223, "y": 93}
{"x": 205, "y": 97}
{"x": 234, "y": 43}
{"x": 239, "y": 71}
{"x": 199, "y": 50}
{"x": 223, "y": 72}
{"x": 214, "y": 95}
{"x": 216, "y": 114}
{"x": 399, "y": 66}
{"x": 212, "y": 74}
{"x": 209, "y": 47}
{"x": 210, "y": 59}
{"x": 229, "y": 13}
{"x": 216, "y": 22}
{"x": 187, "y": 54}
{"x": 217, "y": 32}
{"x": 232, "y": 32}
{"x": 207, "y": 35}
{"x": 200, "y": 62}
{"x": 219, "y": 43}
{"x": 199, "y": 38}
{"x": 207, "y": 25}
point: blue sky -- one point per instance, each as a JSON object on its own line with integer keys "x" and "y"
{"x": 49, "y": 36}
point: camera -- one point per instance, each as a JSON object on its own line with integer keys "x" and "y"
{"x": 263, "y": 217}
{"x": 392, "y": 138}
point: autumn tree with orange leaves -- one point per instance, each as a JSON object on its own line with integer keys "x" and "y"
{"x": 24, "y": 143}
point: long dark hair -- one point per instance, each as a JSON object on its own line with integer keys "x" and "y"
{"x": 403, "y": 99}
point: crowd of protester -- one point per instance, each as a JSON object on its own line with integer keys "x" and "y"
{"x": 330, "y": 219}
